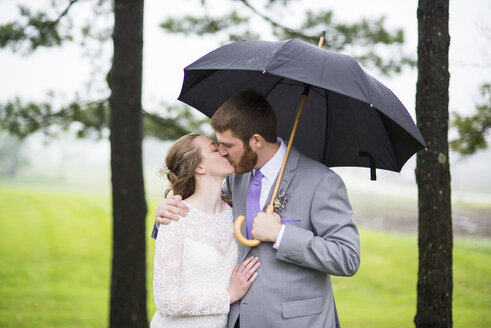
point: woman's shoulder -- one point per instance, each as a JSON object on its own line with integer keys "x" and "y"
{"x": 227, "y": 213}
{"x": 171, "y": 234}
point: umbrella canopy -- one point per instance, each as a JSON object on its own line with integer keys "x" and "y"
{"x": 349, "y": 118}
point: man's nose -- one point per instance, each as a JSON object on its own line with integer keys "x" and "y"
{"x": 222, "y": 150}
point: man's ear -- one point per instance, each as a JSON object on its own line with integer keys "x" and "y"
{"x": 200, "y": 169}
{"x": 256, "y": 142}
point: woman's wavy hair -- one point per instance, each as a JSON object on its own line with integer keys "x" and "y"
{"x": 181, "y": 160}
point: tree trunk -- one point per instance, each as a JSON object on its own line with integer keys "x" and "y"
{"x": 128, "y": 289}
{"x": 434, "y": 305}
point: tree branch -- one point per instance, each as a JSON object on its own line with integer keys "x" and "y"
{"x": 276, "y": 24}
{"x": 64, "y": 13}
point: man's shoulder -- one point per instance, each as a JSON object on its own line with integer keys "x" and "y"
{"x": 234, "y": 182}
{"x": 309, "y": 166}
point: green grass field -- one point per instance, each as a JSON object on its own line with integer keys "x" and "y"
{"x": 55, "y": 251}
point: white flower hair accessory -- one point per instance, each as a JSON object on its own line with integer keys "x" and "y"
{"x": 163, "y": 171}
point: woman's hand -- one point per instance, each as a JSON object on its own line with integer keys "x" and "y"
{"x": 242, "y": 278}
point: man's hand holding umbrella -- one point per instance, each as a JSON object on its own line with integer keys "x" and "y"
{"x": 266, "y": 227}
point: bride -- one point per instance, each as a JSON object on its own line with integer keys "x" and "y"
{"x": 195, "y": 273}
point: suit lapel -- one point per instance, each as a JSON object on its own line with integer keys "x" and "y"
{"x": 288, "y": 175}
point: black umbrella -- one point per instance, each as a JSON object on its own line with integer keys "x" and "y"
{"x": 349, "y": 118}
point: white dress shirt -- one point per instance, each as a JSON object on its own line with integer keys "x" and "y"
{"x": 270, "y": 171}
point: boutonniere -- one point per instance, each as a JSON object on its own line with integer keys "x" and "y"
{"x": 280, "y": 202}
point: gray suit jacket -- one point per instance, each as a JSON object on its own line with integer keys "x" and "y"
{"x": 293, "y": 287}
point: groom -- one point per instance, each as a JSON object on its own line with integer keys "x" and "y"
{"x": 309, "y": 238}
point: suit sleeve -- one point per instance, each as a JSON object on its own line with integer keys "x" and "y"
{"x": 334, "y": 244}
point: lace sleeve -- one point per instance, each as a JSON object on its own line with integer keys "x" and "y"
{"x": 170, "y": 299}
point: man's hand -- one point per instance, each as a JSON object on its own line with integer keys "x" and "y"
{"x": 170, "y": 209}
{"x": 266, "y": 227}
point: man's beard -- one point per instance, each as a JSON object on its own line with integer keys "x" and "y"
{"x": 247, "y": 161}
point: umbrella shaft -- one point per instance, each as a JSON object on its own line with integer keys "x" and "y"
{"x": 288, "y": 149}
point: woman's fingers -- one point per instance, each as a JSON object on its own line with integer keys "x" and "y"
{"x": 247, "y": 264}
{"x": 247, "y": 270}
{"x": 243, "y": 264}
{"x": 253, "y": 270}
{"x": 250, "y": 281}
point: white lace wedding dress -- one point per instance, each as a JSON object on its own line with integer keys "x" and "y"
{"x": 194, "y": 259}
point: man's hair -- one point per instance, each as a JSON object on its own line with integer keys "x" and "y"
{"x": 245, "y": 114}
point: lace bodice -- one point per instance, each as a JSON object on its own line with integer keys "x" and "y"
{"x": 194, "y": 259}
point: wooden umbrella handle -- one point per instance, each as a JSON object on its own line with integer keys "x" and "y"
{"x": 238, "y": 234}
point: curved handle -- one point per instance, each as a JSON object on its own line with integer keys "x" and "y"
{"x": 238, "y": 234}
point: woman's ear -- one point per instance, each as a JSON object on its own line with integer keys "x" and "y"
{"x": 200, "y": 169}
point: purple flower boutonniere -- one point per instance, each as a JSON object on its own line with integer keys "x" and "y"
{"x": 280, "y": 202}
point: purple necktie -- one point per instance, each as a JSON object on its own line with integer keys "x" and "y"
{"x": 252, "y": 201}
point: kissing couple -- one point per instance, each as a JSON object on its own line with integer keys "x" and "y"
{"x": 202, "y": 277}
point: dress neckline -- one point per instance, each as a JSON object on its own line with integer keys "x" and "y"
{"x": 207, "y": 213}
